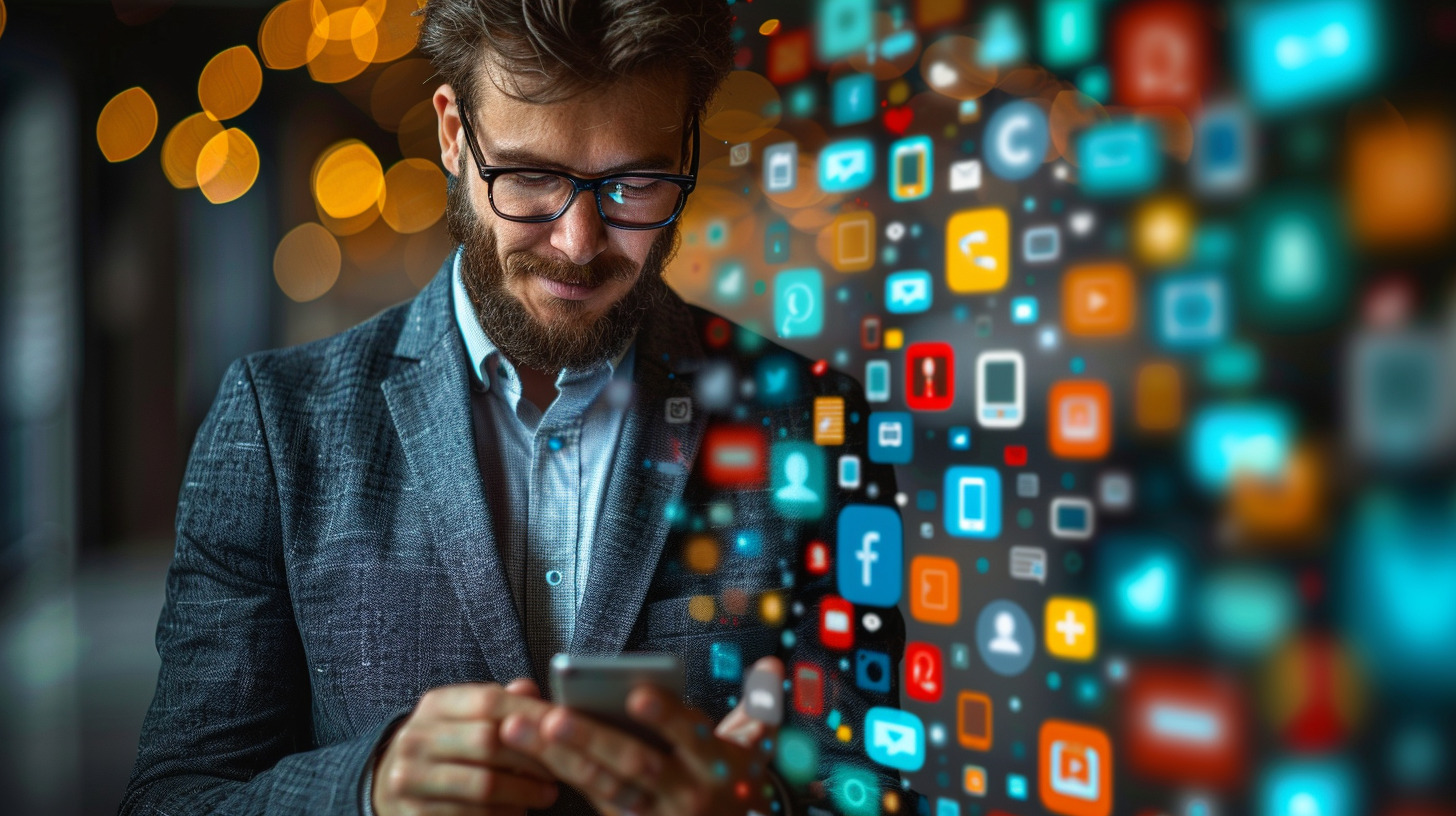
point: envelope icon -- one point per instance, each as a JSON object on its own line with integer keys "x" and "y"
{"x": 836, "y": 621}
{"x": 894, "y": 738}
{"x": 965, "y": 175}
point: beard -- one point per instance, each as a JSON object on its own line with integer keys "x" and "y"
{"x": 574, "y": 339}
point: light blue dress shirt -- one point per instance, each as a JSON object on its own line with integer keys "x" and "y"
{"x": 545, "y": 475}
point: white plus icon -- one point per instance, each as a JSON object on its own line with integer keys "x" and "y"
{"x": 867, "y": 555}
{"x": 1070, "y": 628}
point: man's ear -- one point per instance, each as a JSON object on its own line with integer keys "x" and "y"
{"x": 447, "y": 115}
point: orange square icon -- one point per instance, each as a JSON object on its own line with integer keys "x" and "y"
{"x": 829, "y": 420}
{"x": 973, "y": 720}
{"x": 973, "y": 779}
{"x": 1079, "y": 419}
{"x": 848, "y": 242}
{"x": 935, "y": 589}
{"x": 1098, "y": 300}
{"x": 1076, "y": 769}
{"x": 1159, "y": 400}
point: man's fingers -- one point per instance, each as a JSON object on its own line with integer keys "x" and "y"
{"x": 478, "y": 701}
{"x": 618, "y": 752}
{"x": 468, "y": 784}
{"x": 738, "y": 727}
{"x": 524, "y": 686}
{"x": 466, "y": 741}
{"x": 686, "y": 729}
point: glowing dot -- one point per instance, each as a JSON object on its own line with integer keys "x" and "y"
{"x": 306, "y": 263}
{"x": 844, "y": 733}
{"x": 230, "y": 83}
{"x": 182, "y": 147}
{"x": 891, "y": 801}
{"x": 227, "y": 166}
{"x": 701, "y": 554}
{"x": 126, "y": 125}
{"x": 769, "y": 28}
{"x": 348, "y": 179}
{"x": 771, "y": 608}
{"x": 701, "y": 608}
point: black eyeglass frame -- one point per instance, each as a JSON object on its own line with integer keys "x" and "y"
{"x": 489, "y": 173}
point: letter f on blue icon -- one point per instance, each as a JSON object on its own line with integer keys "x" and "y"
{"x": 870, "y": 555}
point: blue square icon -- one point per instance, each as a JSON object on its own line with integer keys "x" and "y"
{"x": 1119, "y": 156}
{"x": 1248, "y": 437}
{"x": 748, "y": 543}
{"x": 1303, "y": 786}
{"x": 1141, "y": 580}
{"x": 854, "y": 99}
{"x": 869, "y": 554}
{"x": 846, "y": 165}
{"x": 872, "y": 670}
{"x": 1192, "y": 310}
{"x": 844, "y": 27}
{"x": 798, "y": 303}
{"x": 895, "y": 738}
{"x": 972, "y": 502}
{"x": 947, "y": 807}
{"x": 777, "y": 380}
{"x": 1016, "y": 786}
{"x": 892, "y": 437}
{"x": 960, "y": 438}
{"x": 908, "y": 292}
{"x": 1298, "y": 52}
{"x": 797, "y": 479}
{"x": 726, "y": 661}
{"x": 1023, "y": 310}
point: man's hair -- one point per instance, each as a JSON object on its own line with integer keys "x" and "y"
{"x": 549, "y": 50}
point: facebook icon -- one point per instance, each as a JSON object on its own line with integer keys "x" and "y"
{"x": 870, "y": 555}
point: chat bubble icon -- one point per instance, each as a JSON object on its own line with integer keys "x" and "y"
{"x": 1029, "y": 564}
{"x": 895, "y": 739}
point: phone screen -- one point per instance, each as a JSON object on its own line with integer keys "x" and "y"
{"x": 910, "y": 168}
{"x": 1000, "y": 382}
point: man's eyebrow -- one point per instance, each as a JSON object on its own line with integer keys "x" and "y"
{"x": 517, "y": 157}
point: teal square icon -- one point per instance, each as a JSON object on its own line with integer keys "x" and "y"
{"x": 798, "y": 303}
{"x": 797, "y": 479}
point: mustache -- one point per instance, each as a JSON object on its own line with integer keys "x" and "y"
{"x": 600, "y": 270}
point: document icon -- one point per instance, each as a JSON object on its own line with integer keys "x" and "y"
{"x": 829, "y": 420}
{"x": 936, "y": 586}
{"x": 1029, "y": 564}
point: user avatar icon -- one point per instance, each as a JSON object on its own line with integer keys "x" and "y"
{"x": 1005, "y": 638}
{"x": 796, "y": 470}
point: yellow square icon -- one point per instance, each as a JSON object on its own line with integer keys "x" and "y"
{"x": 974, "y": 780}
{"x": 894, "y": 338}
{"x": 829, "y": 420}
{"x": 1071, "y": 628}
{"x": 977, "y": 250}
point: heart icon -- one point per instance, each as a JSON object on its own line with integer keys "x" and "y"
{"x": 942, "y": 75}
{"x": 897, "y": 120}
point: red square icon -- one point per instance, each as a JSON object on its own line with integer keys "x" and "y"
{"x": 808, "y": 689}
{"x": 1186, "y": 727}
{"x": 836, "y": 623}
{"x": 1015, "y": 455}
{"x": 788, "y": 57}
{"x": 816, "y": 558}
{"x": 929, "y": 376}
{"x": 1160, "y": 54}
{"x": 1079, "y": 422}
{"x": 733, "y": 456}
{"x": 924, "y": 680}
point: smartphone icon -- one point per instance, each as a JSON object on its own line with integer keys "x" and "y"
{"x": 1000, "y": 389}
{"x": 869, "y": 333}
{"x": 877, "y": 381}
{"x": 779, "y": 161}
{"x": 973, "y": 504}
{"x": 849, "y": 472}
{"x": 808, "y": 689}
{"x": 910, "y": 168}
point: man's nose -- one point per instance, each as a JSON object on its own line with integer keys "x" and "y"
{"x": 579, "y": 233}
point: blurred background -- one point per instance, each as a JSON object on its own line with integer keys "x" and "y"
{"x": 1236, "y": 218}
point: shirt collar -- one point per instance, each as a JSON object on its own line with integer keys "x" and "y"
{"x": 486, "y": 358}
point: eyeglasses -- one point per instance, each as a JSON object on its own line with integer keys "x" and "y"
{"x": 629, "y": 201}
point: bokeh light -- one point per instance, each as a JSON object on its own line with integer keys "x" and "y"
{"x": 306, "y": 263}
{"x": 183, "y": 145}
{"x": 414, "y": 195}
{"x": 284, "y": 36}
{"x": 348, "y": 179}
{"x": 342, "y": 44}
{"x": 230, "y": 83}
{"x": 126, "y": 125}
{"x": 227, "y": 166}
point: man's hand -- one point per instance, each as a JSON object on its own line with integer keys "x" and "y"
{"x": 708, "y": 771}
{"x": 447, "y": 758}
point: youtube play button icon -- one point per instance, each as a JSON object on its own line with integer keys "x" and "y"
{"x": 1098, "y": 300}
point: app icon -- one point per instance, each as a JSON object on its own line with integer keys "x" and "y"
{"x": 977, "y": 253}
{"x": 1069, "y": 32}
{"x": 1119, "y": 156}
{"x": 809, "y": 687}
{"x": 846, "y": 165}
{"x": 849, "y": 472}
{"x": 972, "y": 498}
{"x": 1324, "y": 786}
{"x": 725, "y": 661}
{"x": 849, "y": 241}
{"x": 1042, "y": 244}
{"x": 776, "y": 242}
{"x": 1299, "y": 52}
{"x": 797, "y": 479}
{"x": 1005, "y": 638}
{"x": 829, "y": 420}
{"x": 836, "y": 623}
{"x": 973, "y": 723}
{"x": 892, "y": 437}
{"x": 877, "y": 380}
{"x": 908, "y": 292}
{"x": 1071, "y": 628}
{"x": 1185, "y": 727}
{"x": 730, "y": 281}
{"x": 1252, "y": 438}
{"x": 798, "y": 303}
{"x": 1016, "y": 788}
{"x": 740, "y": 154}
{"x": 1098, "y": 300}
{"x": 935, "y": 589}
{"x": 1159, "y": 397}
{"x": 1160, "y": 55}
{"x": 924, "y": 672}
{"x": 869, "y": 554}
{"x": 1224, "y": 151}
{"x": 872, "y": 670}
{"x": 1000, "y": 389}
{"x": 911, "y": 168}
{"x": 973, "y": 780}
{"x": 1075, "y": 769}
{"x": 1024, "y": 310}
{"x": 959, "y": 437}
{"x": 929, "y": 376}
{"x": 1296, "y": 271}
{"x": 1072, "y": 517}
{"x": 869, "y": 333}
{"x": 788, "y": 57}
{"x": 1002, "y": 40}
{"x": 1140, "y": 583}
{"x": 965, "y": 175}
{"x": 895, "y": 738}
{"x": 845, "y": 26}
{"x": 678, "y": 410}
{"x": 1079, "y": 419}
{"x": 1016, "y": 139}
{"x": 854, "y": 99}
{"x": 780, "y": 167}
{"x": 735, "y": 456}
{"x": 1192, "y": 310}
{"x": 1029, "y": 564}
{"x": 763, "y": 690}
{"x": 816, "y": 558}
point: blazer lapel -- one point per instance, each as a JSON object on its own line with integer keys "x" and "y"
{"x": 429, "y": 403}
{"x": 653, "y": 461}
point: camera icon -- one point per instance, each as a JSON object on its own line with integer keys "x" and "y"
{"x": 872, "y": 670}
{"x": 679, "y": 410}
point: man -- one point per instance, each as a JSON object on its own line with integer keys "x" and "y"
{"x": 384, "y": 536}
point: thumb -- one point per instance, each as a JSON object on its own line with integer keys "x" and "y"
{"x": 525, "y": 687}
{"x": 761, "y": 709}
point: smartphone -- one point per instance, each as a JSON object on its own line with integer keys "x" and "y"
{"x": 598, "y": 686}
{"x": 1000, "y": 389}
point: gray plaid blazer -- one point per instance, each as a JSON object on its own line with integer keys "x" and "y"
{"x": 335, "y": 560}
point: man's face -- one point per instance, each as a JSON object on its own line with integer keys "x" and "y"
{"x": 571, "y": 292}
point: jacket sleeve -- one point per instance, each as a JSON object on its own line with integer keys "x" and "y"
{"x": 229, "y": 730}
